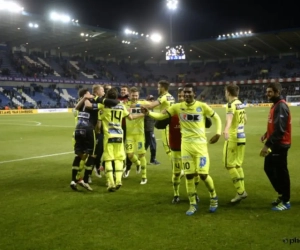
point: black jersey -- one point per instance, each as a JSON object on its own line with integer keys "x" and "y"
{"x": 88, "y": 116}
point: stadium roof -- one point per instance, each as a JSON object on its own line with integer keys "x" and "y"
{"x": 100, "y": 42}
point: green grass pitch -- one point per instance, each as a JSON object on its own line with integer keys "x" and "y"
{"x": 40, "y": 211}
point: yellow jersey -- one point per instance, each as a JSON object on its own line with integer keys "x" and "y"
{"x": 192, "y": 120}
{"x": 237, "y": 128}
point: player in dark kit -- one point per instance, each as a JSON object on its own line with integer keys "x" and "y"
{"x": 85, "y": 141}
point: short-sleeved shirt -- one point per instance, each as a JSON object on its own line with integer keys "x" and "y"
{"x": 166, "y": 101}
{"x": 136, "y": 126}
{"x": 192, "y": 120}
{"x": 112, "y": 120}
{"x": 237, "y": 128}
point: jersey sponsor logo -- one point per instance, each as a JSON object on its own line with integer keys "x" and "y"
{"x": 111, "y": 124}
{"x": 119, "y": 107}
{"x": 240, "y": 106}
{"x": 241, "y": 135}
{"x": 84, "y": 115}
{"x": 202, "y": 162}
{"x": 115, "y": 131}
{"x": 190, "y": 117}
{"x": 135, "y": 111}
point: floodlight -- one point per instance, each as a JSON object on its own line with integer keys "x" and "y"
{"x": 237, "y": 33}
{"x": 232, "y": 34}
{"x": 156, "y": 37}
{"x": 223, "y": 35}
{"x": 73, "y": 20}
{"x": 54, "y": 16}
{"x": 142, "y": 34}
{"x": 60, "y": 17}
{"x": 82, "y": 34}
{"x": 127, "y": 31}
{"x": 245, "y": 33}
{"x": 10, "y": 6}
{"x": 228, "y": 35}
{"x": 249, "y": 32}
{"x": 172, "y": 4}
{"x": 147, "y": 35}
{"x": 36, "y": 26}
{"x": 128, "y": 42}
{"x": 30, "y": 25}
{"x": 76, "y": 21}
{"x": 241, "y": 33}
{"x": 65, "y": 18}
{"x": 136, "y": 33}
{"x": 86, "y": 34}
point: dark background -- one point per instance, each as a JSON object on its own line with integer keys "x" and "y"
{"x": 194, "y": 19}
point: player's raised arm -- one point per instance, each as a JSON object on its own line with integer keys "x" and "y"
{"x": 94, "y": 106}
{"x": 107, "y": 102}
{"x": 151, "y": 105}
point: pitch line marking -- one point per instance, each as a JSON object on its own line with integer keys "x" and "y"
{"x": 36, "y": 157}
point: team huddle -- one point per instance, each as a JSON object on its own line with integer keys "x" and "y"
{"x": 113, "y": 130}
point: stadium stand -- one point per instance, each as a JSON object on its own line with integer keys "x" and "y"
{"x": 47, "y": 69}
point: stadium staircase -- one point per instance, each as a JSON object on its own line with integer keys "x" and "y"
{"x": 7, "y": 64}
{"x": 66, "y": 94}
{"x": 14, "y": 99}
{"x": 29, "y": 60}
{"x": 65, "y": 97}
{"x": 46, "y": 64}
{"x": 4, "y": 98}
{"x": 74, "y": 64}
{"x": 27, "y": 97}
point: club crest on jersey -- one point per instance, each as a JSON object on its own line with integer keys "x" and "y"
{"x": 199, "y": 109}
{"x": 190, "y": 117}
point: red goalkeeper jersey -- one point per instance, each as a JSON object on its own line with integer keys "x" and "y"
{"x": 174, "y": 134}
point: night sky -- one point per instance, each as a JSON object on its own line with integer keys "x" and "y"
{"x": 194, "y": 19}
